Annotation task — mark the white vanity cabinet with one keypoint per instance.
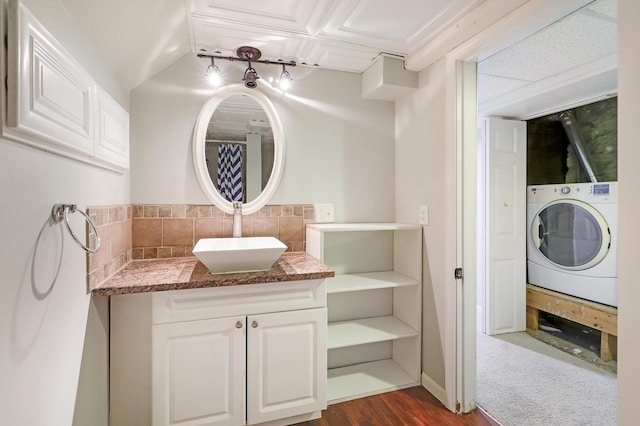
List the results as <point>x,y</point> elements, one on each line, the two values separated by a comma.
<point>374,306</point>
<point>198,372</point>
<point>239,355</point>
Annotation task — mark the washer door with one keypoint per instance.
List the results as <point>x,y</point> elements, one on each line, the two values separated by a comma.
<point>571,234</point>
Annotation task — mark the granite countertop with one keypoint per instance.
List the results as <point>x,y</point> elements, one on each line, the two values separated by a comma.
<point>141,276</point>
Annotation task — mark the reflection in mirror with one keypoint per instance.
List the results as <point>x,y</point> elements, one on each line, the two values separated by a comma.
<point>236,119</point>
<point>239,149</point>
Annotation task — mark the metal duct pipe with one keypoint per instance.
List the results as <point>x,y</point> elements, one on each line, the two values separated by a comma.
<point>567,120</point>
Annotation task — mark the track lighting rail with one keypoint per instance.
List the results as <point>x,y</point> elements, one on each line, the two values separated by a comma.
<point>235,58</point>
<point>247,54</point>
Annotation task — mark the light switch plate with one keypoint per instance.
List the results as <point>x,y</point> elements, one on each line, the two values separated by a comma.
<point>324,212</point>
<point>424,214</point>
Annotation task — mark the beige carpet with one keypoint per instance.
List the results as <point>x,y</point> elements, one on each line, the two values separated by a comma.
<point>522,381</point>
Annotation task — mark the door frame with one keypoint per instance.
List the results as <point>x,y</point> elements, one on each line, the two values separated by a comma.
<point>461,141</point>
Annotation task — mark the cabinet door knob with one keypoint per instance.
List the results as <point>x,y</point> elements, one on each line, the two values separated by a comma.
<point>254,324</point>
<point>239,324</point>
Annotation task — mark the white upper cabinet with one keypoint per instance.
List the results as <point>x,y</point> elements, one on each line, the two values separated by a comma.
<point>112,142</point>
<point>53,104</point>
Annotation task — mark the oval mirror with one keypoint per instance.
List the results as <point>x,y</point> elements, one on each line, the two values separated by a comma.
<point>238,149</point>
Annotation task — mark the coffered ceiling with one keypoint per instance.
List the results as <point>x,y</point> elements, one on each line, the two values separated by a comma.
<point>142,37</point>
<point>341,35</point>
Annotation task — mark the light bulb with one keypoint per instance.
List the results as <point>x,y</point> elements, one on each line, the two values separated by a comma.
<point>285,79</point>
<point>213,74</point>
<point>214,77</point>
<point>285,83</point>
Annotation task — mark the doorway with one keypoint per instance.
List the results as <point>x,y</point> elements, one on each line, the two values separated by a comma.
<point>524,99</point>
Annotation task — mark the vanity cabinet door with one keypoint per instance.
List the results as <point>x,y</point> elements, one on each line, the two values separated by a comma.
<point>286,364</point>
<point>199,372</point>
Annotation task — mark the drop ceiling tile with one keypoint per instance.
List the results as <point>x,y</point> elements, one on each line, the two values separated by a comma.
<point>577,40</point>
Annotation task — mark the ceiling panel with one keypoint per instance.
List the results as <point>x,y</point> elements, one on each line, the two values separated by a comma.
<point>282,15</point>
<point>339,56</point>
<point>572,42</point>
<point>218,37</point>
<point>398,26</point>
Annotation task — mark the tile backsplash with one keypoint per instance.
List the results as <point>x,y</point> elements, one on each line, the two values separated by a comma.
<point>114,225</point>
<point>152,231</point>
<point>161,231</point>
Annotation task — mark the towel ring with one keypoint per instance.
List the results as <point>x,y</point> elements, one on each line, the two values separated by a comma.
<point>59,212</point>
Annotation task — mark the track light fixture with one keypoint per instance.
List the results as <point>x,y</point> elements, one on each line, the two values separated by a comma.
<point>250,77</point>
<point>285,79</point>
<point>213,74</point>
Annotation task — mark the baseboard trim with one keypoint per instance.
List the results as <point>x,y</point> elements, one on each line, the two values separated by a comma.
<point>434,388</point>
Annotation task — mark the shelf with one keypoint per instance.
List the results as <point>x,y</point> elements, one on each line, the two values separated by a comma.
<point>351,227</point>
<point>368,281</point>
<point>378,281</point>
<point>371,378</point>
<point>368,330</point>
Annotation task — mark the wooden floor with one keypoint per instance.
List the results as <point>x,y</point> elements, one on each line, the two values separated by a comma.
<point>413,406</point>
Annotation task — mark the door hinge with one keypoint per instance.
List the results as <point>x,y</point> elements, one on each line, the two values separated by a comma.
<point>458,273</point>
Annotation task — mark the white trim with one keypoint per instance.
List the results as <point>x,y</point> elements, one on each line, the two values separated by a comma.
<point>469,222</point>
<point>434,389</point>
<point>452,258</point>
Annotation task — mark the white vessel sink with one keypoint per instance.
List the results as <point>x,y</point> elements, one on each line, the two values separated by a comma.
<point>226,255</point>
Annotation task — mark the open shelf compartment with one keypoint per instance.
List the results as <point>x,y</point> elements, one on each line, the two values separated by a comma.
<point>367,330</point>
<point>371,378</point>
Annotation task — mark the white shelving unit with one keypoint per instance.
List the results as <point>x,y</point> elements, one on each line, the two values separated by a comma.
<point>375,302</point>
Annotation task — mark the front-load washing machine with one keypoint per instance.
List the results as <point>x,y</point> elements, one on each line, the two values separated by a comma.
<point>572,241</point>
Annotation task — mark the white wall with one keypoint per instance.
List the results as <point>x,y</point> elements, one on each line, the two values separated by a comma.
<point>420,179</point>
<point>43,316</point>
<point>629,212</point>
<point>339,147</point>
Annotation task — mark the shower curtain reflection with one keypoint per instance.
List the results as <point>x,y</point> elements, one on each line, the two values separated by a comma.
<point>228,171</point>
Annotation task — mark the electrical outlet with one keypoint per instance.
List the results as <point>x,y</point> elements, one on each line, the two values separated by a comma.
<point>324,212</point>
<point>424,214</point>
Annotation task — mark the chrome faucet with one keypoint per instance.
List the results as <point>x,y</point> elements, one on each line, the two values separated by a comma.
<point>237,219</point>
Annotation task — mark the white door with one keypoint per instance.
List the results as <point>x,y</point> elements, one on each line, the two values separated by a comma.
<point>286,364</point>
<point>506,276</point>
<point>199,372</point>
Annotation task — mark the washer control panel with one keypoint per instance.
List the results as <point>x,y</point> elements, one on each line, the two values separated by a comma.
<point>588,192</point>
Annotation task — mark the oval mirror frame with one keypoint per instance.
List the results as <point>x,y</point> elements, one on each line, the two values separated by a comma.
<point>199,159</point>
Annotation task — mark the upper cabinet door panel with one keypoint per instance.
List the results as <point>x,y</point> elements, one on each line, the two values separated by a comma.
<point>112,141</point>
<point>51,97</point>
